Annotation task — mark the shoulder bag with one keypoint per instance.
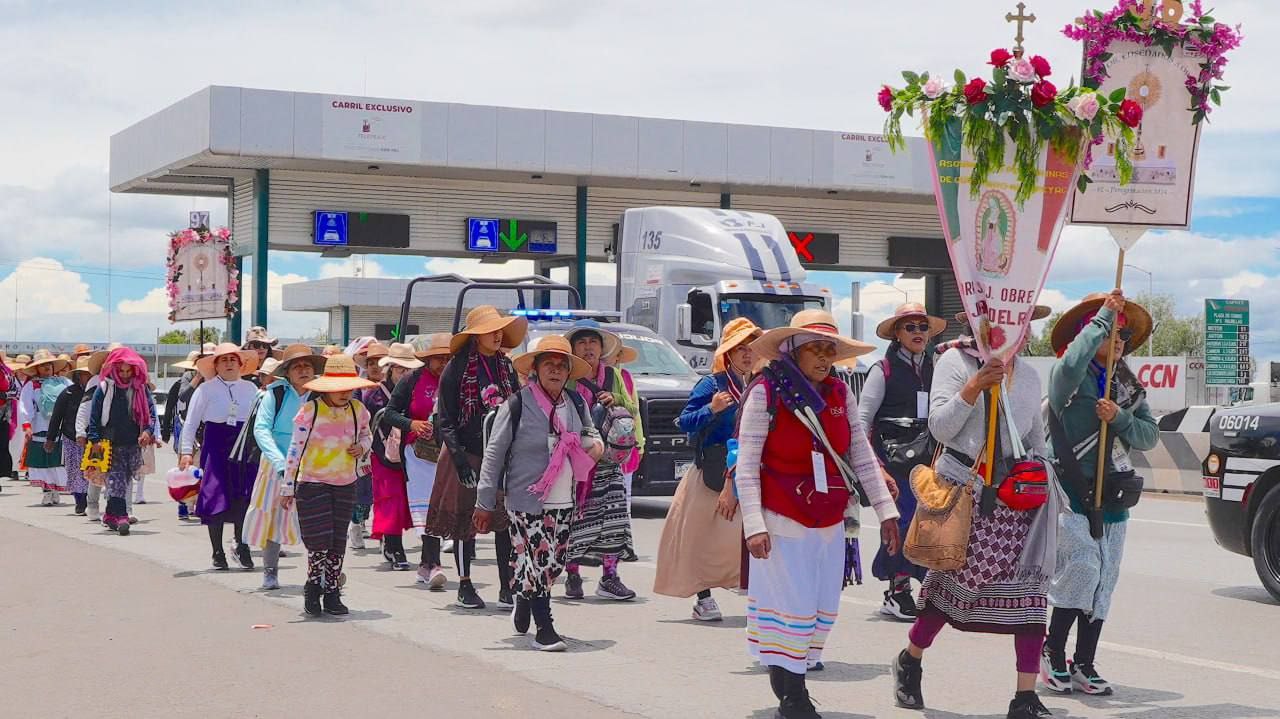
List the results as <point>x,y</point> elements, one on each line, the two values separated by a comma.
<point>938,537</point>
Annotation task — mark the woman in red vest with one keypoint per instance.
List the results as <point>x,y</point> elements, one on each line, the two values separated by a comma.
<point>803,460</point>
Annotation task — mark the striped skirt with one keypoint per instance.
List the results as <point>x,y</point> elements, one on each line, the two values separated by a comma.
<point>793,598</point>
<point>603,529</point>
<point>266,521</point>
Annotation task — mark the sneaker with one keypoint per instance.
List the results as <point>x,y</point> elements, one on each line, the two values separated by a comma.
<point>433,577</point>
<point>388,555</point>
<point>400,562</point>
<point>94,513</point>
<point>907,673</point>
<point>243,556</point>
<point>815,666</point>
<point>133,520</point>
<point>355,537</point>
<point>57,498</point>
<point>1054,673</point>
<point>220,561</point>
<point>46,499</point>
<point>1026,705</point>
<point>798,706</point>
<point>899,605</point>
<point>573,586</point>
<point>311,599</point>
<point>547,640</point>
<point>333,604</point>
<point>521,615</point>
<point>467,597</point>
<point>122,526</point>
<point>270,579</point>
<point>1085,678</point>
<point>611,587</point>
<point>706,610</point>
<point>505,600</point>
<point>183,513</point>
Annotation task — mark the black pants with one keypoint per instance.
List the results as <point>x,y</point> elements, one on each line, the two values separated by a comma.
<point>6,459</point>
<point>1088,632</point>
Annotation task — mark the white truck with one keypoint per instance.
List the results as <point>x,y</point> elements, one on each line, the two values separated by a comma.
<point>684,272</point>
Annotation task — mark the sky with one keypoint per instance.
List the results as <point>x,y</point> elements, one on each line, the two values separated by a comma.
<point>78,263</point>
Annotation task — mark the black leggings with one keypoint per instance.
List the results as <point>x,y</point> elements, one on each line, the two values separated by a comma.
<point>1088,632</point>
<point>430,551</point>
<point>215,534</point>
<point>464,552</point>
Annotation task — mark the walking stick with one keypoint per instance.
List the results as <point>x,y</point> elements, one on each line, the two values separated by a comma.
<point>1095,514</point>
<point>993,423</point>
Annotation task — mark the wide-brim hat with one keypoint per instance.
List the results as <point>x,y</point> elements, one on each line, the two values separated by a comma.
<point>19,364</point>
<point>372,351</point>
<point>609,342</point>
<point>269,366</point>
<point>485,319</point>
<point>818,322</point>
<point>45,357</point>
<point>626,354</point>
<point>400,354</point>
<point>436,345</point>
<point>259,334</point>
<point>557,345</point>
<point>248,359</point>
<point>189,362</point>
<point>295,353</point>
<point>340,375</point>
<point>1038,312</point>
<point>82,365</point>
<point>1136,318</point>
<point>81,349</point>
<point>735,333</point>
<point>884,330</point>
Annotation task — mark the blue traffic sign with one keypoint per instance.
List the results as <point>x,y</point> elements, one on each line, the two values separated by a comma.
<point>482,234</point>
<point>330,229</point>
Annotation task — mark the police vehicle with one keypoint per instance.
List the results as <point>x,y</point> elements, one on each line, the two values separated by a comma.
<point>1242,486</point>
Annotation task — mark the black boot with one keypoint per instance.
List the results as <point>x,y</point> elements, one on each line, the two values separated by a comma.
<point>777,681</point>
<point>82,503</point>
<point>907,672</point>
<point>547,639</point>
<point>244,556</point>
<point>220,561</point>
<point>795,700</point>
<point>333,604</point>
<point>311,599</point>
<point>522,614</point>
<point>1026,705</point>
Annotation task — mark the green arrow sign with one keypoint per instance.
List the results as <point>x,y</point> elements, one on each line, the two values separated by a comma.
<point>513,238</point>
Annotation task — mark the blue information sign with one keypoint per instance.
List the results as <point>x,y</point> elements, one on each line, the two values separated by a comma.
<point>330,229</point>
<point>482,234</point>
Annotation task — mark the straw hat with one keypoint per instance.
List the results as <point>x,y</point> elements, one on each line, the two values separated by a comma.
<point>557,345</point>
<point>19,363</point>
<point>248,359</point>
<point>1136,318</point>
<point>298,352</point>
<point>373,351</point>
<point>485,319</point>
<point>820,322</point>
<point>1038,312</point>
<point>269,366</point>
<point>330,350</point>
<point>735,332</point>
<point>400,354</point>
<point>81,350</point>
<point>259,334</point>
<point>625,354</point>
<point>44,357</point>
<point>437,345</point>
<point>189,362</point>
<point>885,330</point>
<point>82,365</point>
<point>340,375</point>
<point>610,342</point>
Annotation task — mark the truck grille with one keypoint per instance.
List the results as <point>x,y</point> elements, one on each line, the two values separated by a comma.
<point>660,416</point>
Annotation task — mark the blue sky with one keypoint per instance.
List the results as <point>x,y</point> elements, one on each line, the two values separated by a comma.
<point>85,70</point>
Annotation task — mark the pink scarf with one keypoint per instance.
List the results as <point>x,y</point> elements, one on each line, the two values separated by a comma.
<point>568,447</point>
<point>136,386</point>
<point>423,402</point>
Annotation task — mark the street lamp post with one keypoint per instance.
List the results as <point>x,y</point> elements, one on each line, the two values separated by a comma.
<point>1151,343</point>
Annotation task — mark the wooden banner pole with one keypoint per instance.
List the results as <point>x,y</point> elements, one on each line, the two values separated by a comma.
<point>1095,519</point>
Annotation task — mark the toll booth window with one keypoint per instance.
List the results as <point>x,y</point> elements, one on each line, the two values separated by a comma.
<point>644,312</point>
<point>704,319</point>
<point>767,311</point>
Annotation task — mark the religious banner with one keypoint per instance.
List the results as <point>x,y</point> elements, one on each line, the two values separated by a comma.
<point>203,281</point>
<point>1145,53</point>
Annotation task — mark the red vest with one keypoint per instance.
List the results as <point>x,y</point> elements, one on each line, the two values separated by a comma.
<point>786,465</point>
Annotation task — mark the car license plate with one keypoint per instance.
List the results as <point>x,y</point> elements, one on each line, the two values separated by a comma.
<point>682,468</point>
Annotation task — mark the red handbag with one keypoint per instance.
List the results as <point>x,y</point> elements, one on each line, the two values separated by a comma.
<point>1026,487</point>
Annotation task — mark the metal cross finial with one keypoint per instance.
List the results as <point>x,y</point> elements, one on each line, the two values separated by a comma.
<point>1021,18</point>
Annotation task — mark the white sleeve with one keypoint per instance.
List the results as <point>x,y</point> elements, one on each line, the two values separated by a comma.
<point>872,397</point>
<point>27,405</point>
<point>753,428</point>
<point>82,416</point>
<point>195,417</point>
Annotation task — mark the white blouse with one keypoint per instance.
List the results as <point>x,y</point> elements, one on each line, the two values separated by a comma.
<point>217,400</point>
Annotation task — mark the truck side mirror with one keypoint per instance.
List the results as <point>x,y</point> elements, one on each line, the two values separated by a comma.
<point>684,322</point>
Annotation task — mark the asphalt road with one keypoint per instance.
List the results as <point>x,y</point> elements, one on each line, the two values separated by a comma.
<point>137,626</point>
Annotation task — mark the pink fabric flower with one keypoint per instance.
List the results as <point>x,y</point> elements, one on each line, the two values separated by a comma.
<point>1084,106</point>
<point>1022,70</point>
<point>934,88</point>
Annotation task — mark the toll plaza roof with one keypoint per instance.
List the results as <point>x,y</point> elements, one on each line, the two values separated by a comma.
<point>201,144</point>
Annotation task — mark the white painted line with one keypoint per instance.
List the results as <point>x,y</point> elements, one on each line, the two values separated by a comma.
<point>1191,661</point>
<point>1172,524</point>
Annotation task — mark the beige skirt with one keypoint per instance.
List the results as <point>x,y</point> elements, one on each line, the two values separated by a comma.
<point>699,549</point>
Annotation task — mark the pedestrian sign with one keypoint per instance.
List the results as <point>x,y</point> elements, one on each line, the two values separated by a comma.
<point>330,229</point>
<point>1226,343</point>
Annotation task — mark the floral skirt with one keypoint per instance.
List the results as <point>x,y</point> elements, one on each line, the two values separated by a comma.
<point>71,456</point>
<point>539,543</point>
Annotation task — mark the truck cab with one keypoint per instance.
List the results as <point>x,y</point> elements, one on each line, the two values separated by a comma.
<point>1242,486</point>
<point>684,272</point>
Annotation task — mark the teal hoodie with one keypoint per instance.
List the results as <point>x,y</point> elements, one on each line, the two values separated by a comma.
<point>1073,395</point>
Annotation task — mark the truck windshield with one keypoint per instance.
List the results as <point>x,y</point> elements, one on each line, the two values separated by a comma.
<point>656,356</point>
<point>766,311</point>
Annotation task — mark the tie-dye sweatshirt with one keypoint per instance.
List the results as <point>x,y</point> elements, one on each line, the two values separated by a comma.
<point>321,436</point>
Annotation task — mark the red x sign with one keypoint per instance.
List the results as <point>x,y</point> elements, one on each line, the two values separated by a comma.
<point>802,245</point>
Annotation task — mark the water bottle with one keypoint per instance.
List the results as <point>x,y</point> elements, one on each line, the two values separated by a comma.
<point>731,458</point>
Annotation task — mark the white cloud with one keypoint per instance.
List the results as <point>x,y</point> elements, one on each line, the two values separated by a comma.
<point>354,266</point>
<point>155,302</point>
<point>1088,254</point>
<point>1244,280</point>
<point>42,286</point>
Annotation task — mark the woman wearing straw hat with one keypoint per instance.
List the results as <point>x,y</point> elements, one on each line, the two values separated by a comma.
<point>409,414</point>
<point>1088,567</point>
<point>35,405</point>
<point>17,439</point>
<point>478,378</point>
<point>123,413</point>
<point>268,524</point>
<point>387,366</point>
<point>803,460</point>
<point>330,438</point>
<point>63,424</point>
<point>263,345</point>
<point>375,398</point>
<point>1000,589</point>
<point>893,409</point>
<point>221,405</point>
<point>702,537</point>
<point>541,459</point>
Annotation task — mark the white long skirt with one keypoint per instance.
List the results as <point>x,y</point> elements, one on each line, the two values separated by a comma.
<point>793,597</point>
<point>421,476</point>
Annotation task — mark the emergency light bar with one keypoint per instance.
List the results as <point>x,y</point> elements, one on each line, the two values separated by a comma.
<point>536,314</point>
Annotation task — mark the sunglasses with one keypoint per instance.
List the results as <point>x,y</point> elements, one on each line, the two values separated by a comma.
<point>922,328</point>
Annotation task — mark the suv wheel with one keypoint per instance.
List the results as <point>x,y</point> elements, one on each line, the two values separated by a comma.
<point>1265,542</point>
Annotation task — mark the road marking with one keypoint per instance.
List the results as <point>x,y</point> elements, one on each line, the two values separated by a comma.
<point>1172,524</point>
<point>1191,661</point>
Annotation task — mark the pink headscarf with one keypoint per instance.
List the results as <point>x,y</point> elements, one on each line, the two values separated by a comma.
<point>138,383</point>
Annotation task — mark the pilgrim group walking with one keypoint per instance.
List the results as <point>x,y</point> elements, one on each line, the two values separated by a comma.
<point>989,524</point>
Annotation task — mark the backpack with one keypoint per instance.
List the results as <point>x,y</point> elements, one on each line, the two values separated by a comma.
<point>517,407</point>
<point>617,431</point>
<point>245,449</point>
